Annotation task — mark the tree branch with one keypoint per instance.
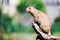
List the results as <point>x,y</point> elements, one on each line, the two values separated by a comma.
<point>45,36</point>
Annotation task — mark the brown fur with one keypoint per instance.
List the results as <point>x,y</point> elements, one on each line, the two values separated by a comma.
<point>40,17</point>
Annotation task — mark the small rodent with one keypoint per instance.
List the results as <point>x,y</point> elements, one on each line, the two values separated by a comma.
<point>41,18</point>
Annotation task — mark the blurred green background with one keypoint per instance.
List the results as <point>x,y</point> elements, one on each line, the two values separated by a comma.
<point>18,26</point>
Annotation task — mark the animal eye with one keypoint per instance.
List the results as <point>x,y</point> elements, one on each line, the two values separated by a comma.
<point>29,8</point>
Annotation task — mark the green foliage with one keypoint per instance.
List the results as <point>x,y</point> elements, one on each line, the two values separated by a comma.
<point>6,21</point>
<point>35,3</point>
<point>21,6</point>
<point>0,15</point>
<point>21,28</point>
<point>56,26</point>
<point>39,5</point>
<point>57,19</point>
<point>0,6</point>
<point>9,26</point>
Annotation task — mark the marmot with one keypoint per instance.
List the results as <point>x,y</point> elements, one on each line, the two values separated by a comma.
<point>41,18</point>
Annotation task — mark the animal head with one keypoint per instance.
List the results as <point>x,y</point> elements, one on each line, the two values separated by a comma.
<point>30,9</point>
